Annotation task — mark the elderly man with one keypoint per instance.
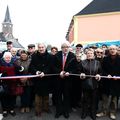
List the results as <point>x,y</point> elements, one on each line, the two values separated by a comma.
<point>31,49</point>
<point>111,87</point>
<point>41,65</point>
<point>62,59</point>
<point>9,45</point>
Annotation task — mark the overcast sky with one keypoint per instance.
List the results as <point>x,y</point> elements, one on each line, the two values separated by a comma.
<point>41,20</point>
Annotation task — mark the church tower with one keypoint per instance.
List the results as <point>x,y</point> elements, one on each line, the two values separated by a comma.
<point>7,26</point>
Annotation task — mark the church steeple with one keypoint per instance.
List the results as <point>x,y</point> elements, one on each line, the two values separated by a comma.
<point>7,26</point>
<point>7,16</point>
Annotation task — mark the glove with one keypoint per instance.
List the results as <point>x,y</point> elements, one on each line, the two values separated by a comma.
<point>98,77</point>
<point>38,73</point>
<point>62,74</point>
<point>42,74</point>
<point>22,68</point>
<point>0,74</point>
<point>23,80</point>
<point>109,76</point>
<point>67,74</point>
<point>82,76</point>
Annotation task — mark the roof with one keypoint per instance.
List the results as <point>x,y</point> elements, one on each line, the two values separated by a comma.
<point>101,6</point>
<point>7,16</point>
<point>16,43</point>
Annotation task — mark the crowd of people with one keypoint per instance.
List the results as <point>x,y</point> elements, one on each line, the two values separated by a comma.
<point>82,78</point>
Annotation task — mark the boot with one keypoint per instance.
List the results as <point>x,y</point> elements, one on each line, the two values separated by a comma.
<point>83,115</point>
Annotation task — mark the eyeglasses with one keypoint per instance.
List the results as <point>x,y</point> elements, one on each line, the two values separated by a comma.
<point>100,52</point>
<point>65,46</point>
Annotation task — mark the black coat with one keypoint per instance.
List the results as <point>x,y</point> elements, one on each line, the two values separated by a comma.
<point>58,68</point>
<point>111,67</point>
<point>41,62</point>
<point>90,67</point>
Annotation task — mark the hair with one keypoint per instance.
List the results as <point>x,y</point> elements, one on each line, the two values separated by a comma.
<point>79,45</point>
<point>90,49</point>
<point>113,46</point>
<point>65,43</point>
<point>42,44</point>
<point>7,54</point>
<point>9,42</point>
<point>54,48</point>
<point>24,52</point>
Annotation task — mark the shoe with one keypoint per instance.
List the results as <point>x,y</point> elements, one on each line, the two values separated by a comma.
<point>5,113</point>
<point>27,109</point>
<point>57,115</point>
<point>101,114</point>
<point>93,117</point>
<point>83,116</point>
<point>47,111</point>
<point>12,112</point>
<point>74,109</point>
<point>22,110</point>
<point>112,116</point>
<point>66,115</point>
<point>38,114</point>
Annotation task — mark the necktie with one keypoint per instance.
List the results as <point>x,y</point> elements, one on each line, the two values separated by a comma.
<point>64,61</point>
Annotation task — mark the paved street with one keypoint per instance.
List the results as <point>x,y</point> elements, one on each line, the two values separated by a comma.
<point>45,116</point>
<point>31,116</point>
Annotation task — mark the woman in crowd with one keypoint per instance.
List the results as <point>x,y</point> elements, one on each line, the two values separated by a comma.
<point>9,68</point>
<point>90,66</point>
<point>26,83</point>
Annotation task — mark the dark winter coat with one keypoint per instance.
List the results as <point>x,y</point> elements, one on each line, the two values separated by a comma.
<point>10,69</point>
<point>41,62</point>
<point>90,67</point>
<point>111,67</point>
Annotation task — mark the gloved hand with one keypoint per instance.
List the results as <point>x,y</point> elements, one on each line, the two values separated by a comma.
<point>42,74</point>
<point>82,76</point>
<point>98,77</point>
<point>0,74</point>
<point>109,76</point>
<point>62,74</point>
<point>38,72</point>
<point>67,74</point>
<point>22,68</point>
<point>23,80</point>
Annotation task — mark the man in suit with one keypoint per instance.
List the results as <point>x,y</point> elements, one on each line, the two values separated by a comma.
<point>63,82</point>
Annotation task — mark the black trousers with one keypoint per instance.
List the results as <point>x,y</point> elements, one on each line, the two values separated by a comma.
<point>63,96</point>
<point>89,100</point>
<point>26,97</point>
<point>76,92</point>
<point>8,102</point>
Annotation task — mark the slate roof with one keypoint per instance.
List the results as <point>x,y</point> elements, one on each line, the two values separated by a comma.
<point>16,43</point>
<point>7,16</point>
<point>100,6</point>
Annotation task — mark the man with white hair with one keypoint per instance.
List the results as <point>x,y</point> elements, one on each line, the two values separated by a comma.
<point>111,86</point>
<point>41,65</point>
<point>63,83</point>
<point>9,47</point>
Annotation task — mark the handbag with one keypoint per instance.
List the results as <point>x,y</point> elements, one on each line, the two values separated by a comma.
<point>1,89</point>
